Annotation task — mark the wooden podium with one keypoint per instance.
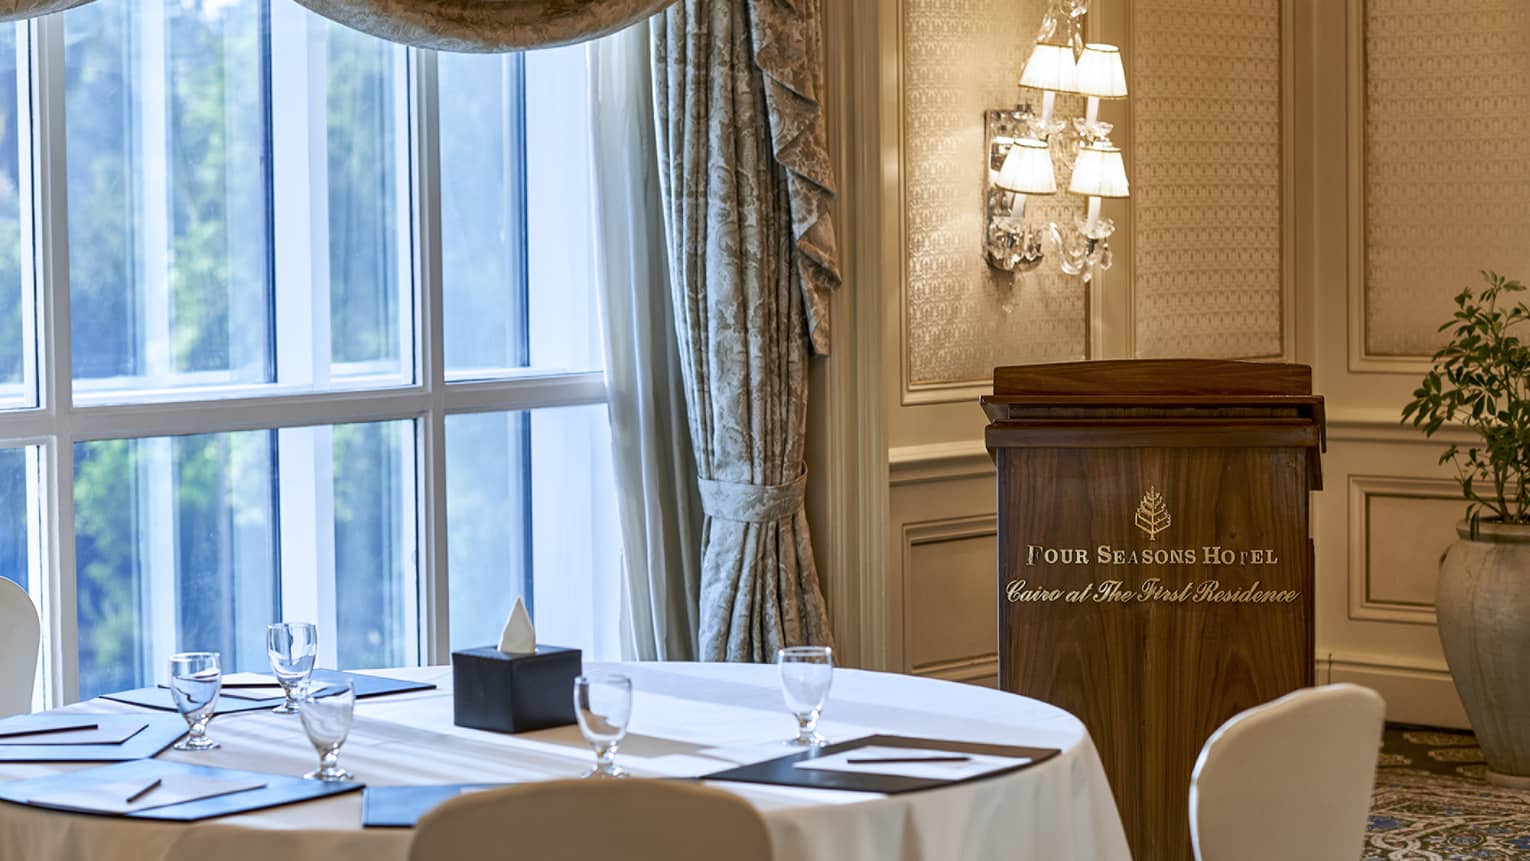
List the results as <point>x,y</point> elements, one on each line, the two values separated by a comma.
<point>1155,569</point>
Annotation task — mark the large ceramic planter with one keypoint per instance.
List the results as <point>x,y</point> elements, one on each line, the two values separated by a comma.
<point>1484,616</point>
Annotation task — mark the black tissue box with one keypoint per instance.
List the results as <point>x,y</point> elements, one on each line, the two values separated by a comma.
<point>517,692</point>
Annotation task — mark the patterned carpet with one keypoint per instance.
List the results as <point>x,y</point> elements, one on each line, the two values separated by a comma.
<point>1431,803</point>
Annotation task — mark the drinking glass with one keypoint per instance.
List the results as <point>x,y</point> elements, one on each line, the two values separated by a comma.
<point>290,647</point>
<point>195,679</point>
<point>327,720</point>
<point>806,674</point>
<point>603,705</point>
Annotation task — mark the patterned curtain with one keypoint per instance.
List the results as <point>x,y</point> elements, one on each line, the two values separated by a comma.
<point>449,25</point>
<point>486,25</point>
<point>16,10</point>
<point>745,177</point>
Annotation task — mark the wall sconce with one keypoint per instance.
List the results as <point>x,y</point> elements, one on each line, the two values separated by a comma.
<point>1098,173</point>
<point>1020,147</point>
<point>1023,169</point>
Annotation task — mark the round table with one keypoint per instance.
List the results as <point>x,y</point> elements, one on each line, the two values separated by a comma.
<point>688,719</point>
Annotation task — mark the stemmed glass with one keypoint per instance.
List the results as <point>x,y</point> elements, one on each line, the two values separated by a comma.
<point>327,720</point>
<point>195,679</point>
<point>603,705</point>
<point>290,646</point>
<point>806,674</point>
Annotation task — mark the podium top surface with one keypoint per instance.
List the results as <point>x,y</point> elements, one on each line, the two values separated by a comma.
<point>1160,378</point>
<point>1156,403</point>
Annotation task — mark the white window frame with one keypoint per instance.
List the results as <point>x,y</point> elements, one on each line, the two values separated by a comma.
<point>58,423</point>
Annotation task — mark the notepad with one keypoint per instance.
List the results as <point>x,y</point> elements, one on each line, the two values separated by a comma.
<point>173,788</point>
<point>250,680</point>
<point>973,764</point>
<point>254,693</point>
<point>250,686</point>
<point>36,730</point>
<point>247,686</point>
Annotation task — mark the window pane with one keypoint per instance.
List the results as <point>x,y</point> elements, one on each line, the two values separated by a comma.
<point>17,386</point>
<point>376,596</point>
<point>175,551</point>
<point>488,496</point>
<point>483,211</point>
<point>15,520</point>
<point>177,547</point>
<point>231,164</point>
<point>368,234</point>
<point>564,319</point>
<point>515,213</point>
<point>169,204</point>
<point>532,492</point>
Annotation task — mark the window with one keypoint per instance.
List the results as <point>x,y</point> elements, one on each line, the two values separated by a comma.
<point>294,323</point>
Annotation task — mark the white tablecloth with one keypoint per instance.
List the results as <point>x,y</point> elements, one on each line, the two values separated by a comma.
<point>687,719</point>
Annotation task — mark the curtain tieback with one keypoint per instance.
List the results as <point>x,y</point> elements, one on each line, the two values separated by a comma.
<point>752,503</point>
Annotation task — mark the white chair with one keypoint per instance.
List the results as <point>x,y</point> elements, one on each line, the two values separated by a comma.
<point>585,820</point>
<point>20,638</point>
<point>1289,780</point>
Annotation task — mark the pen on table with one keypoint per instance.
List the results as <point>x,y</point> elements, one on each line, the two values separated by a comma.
<point>904,759</point>
<point>145,791</point>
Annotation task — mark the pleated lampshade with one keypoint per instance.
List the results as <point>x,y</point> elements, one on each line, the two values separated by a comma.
<point>1050,67</point>
<point>1027,168</point>
<point>1100,73</point>
<point>1099,172</point>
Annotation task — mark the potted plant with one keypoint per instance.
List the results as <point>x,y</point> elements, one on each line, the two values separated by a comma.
<point>1481,380</point>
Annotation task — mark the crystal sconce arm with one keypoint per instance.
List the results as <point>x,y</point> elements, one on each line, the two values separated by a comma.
<point>1019,167</point>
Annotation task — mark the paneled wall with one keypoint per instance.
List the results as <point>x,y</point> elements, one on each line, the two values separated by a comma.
<point>961,57</point>
<point>1441,131</point>
<point>1260,136</point>
<point>1202,268</point>
<point>1212,264</point>
<point>1425,187</point>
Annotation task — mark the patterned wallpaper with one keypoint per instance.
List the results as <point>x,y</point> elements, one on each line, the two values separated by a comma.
<point>1206,183</point>
<point>1447,160</point>
<point>960,58</point>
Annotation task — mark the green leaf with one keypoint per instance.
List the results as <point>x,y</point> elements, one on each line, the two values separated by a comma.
<point>1480,378</point>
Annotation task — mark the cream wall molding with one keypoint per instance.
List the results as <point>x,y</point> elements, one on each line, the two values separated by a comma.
<point>1381,425</point>
<point>1369,661</point>
<point>981,670</point>
<point>919,394</point>
<point>961,459</point>
<point>852,473</point>
<point>1364,605</point>
<point>1419,692</point>
<point>941,461</point>
<point>938,531</point>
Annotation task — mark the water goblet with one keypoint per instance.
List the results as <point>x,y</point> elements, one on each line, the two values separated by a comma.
<point>327,711</point>
<point>603,705</point>
<point>806,674</point>
<point>290,646</point>
<point>195,679</point>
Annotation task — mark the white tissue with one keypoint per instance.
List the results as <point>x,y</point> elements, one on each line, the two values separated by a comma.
<point>519,638</point>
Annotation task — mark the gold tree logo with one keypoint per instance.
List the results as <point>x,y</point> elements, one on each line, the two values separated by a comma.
<point>1153,514</point>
